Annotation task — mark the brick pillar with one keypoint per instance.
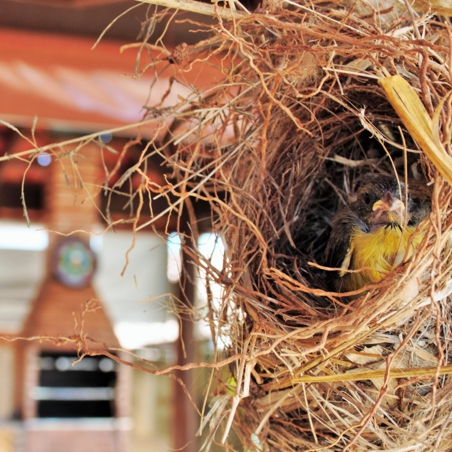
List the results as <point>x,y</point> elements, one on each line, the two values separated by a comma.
<point>71,194</point>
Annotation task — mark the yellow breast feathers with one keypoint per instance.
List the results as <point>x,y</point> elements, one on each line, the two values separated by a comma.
<point>374,254</point>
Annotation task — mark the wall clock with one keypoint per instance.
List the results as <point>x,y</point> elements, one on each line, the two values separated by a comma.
<point>74,262</point>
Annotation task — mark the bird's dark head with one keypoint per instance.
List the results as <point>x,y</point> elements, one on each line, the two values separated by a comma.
<point>381,202</point>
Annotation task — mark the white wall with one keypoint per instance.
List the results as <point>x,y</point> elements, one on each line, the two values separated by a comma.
<point>6,379</point>
<point>140,296</point>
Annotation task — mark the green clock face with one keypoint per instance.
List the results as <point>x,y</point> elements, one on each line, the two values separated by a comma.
<point>73,262</point>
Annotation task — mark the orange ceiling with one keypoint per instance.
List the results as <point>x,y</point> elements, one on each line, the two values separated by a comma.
<point>68,85</point>
<point>73,3</point>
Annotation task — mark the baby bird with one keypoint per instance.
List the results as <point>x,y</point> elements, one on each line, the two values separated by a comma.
<point>372,235</point>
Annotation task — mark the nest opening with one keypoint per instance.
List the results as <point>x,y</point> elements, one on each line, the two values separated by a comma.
<point>309,180</point>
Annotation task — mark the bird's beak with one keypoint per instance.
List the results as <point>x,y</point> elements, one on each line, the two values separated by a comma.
<point>388,209</point>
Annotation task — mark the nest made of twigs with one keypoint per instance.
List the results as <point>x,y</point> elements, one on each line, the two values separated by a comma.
<point>298,124</point>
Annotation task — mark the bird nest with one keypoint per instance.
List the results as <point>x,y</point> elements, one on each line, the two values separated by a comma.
<point>316,98</point>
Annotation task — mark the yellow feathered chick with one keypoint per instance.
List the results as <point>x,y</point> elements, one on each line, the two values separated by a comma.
<point>372,235</point>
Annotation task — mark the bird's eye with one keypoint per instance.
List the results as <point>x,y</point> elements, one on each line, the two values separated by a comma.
<point>367,198</point>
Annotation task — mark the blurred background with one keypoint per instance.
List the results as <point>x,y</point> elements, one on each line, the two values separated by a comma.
<point>56,88</point>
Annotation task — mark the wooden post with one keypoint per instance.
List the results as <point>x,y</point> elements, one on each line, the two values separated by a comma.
<point>185,418</point>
